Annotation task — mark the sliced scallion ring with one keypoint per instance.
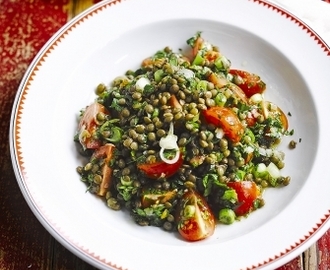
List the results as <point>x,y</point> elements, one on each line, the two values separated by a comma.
<point>141,83</point>
<point>187,73</point>
<point>169,142</point>
<point>167,160</point>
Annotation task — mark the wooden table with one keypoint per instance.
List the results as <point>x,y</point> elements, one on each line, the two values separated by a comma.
<point>24,243</point>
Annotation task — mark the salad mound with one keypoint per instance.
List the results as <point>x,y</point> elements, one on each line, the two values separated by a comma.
<point>184,142</point>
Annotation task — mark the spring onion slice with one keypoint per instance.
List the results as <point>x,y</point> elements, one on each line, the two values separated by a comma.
<point>187,73</point>
<point>169,142</point>
<point>219,133</point>
<point>141,83</point>
<point>273,170</point>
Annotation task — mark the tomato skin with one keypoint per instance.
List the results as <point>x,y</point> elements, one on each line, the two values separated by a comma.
<point>251,83</point>
<point>226,119</point>
<point>247,193</point>
<point>88,124</point>
<point>160,168</point>
<point>195,219</point>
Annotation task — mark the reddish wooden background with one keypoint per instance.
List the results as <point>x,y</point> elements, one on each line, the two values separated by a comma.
<point>24,244</point>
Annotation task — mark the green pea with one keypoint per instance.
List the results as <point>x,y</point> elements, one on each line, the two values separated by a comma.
<point>227,216</point>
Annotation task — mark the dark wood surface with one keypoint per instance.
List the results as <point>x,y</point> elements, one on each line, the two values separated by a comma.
<point>24,243</point>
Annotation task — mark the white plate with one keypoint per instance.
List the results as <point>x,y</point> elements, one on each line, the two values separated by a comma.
<point>112,37</point>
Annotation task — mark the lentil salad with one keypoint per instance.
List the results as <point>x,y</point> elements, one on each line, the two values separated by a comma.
<point>184,142</point>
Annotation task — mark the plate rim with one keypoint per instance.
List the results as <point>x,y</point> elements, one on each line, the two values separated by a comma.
<point>18,164</point>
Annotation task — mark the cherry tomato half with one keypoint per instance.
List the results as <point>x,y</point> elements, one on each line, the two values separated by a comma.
<point>226,119</point>
<point>195,219</point>
<point>88,124</point>
<point>247,193</point>
<point>160,168</point>
<point>250,83</point>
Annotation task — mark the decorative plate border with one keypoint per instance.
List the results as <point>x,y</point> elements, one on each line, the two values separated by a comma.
<point>54,43</point>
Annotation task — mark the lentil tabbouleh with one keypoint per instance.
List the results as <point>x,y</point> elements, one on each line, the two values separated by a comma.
<point>183,142</point>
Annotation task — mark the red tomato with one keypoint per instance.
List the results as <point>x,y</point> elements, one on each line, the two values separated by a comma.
<point>160,168</point>
<point>247,193</point>
<point>195,219</point>
<point>250,83</point>
<point>105,152</point>
<point>88,124</point>
<point>226,119</point>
